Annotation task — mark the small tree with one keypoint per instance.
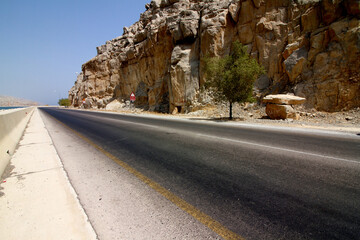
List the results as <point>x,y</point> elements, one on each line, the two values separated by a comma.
<point>64,102</point>
<point>232,77</point>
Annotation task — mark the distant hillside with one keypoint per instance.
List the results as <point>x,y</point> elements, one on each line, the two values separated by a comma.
<point>6,101</point>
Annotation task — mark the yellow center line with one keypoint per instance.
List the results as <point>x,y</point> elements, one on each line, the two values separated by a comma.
<point>206,220</point>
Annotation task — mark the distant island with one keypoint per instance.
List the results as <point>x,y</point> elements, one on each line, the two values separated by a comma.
<point>7,101</point>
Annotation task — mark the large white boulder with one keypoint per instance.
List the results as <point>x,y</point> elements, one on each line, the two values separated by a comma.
<point>115,105</point>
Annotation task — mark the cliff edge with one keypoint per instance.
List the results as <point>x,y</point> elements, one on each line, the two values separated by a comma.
<point>308,47</point>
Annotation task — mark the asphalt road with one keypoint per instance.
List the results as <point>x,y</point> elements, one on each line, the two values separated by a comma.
<point>260,182</point>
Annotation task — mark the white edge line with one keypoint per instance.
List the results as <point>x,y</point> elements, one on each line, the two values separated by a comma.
<point>306,130</point>
<point>278,148</point>
<point>249,143</point>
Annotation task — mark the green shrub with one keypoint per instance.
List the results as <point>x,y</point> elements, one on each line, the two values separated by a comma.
<point>232,77</point>
<point>64,102</point>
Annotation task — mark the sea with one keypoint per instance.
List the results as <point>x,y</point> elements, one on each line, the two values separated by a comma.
<point>7,108</point>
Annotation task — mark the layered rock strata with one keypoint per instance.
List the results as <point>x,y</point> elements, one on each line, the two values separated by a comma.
<point>308,47</point>
<point>280,106</point>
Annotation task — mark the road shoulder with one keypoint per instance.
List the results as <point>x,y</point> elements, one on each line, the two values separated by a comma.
<point>36,199</point>
<point>119,204</point>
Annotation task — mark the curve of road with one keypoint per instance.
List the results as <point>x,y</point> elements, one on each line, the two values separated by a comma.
<point>255,182</point>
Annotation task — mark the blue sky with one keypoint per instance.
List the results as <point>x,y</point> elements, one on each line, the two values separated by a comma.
<point>43,43</point>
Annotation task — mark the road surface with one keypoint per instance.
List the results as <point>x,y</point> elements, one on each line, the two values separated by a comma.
<point>255,182</point>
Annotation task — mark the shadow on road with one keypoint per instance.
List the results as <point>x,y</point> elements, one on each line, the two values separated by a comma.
<point>219,119</point>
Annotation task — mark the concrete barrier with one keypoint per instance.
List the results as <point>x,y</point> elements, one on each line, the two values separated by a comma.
<point>12,125</point>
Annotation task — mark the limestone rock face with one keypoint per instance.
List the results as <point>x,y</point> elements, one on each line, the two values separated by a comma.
<point>309,48</point>
<point>294,64</point>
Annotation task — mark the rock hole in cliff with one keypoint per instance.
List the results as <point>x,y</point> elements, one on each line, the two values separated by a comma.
<point>178,109</point>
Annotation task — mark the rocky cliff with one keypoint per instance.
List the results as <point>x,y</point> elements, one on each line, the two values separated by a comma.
<point>308,47</point>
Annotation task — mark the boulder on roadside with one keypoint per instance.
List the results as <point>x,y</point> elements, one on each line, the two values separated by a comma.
<point>278,111</point>
<point>115,105</point>
<point>283,99</point>
<point>278,106</point>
